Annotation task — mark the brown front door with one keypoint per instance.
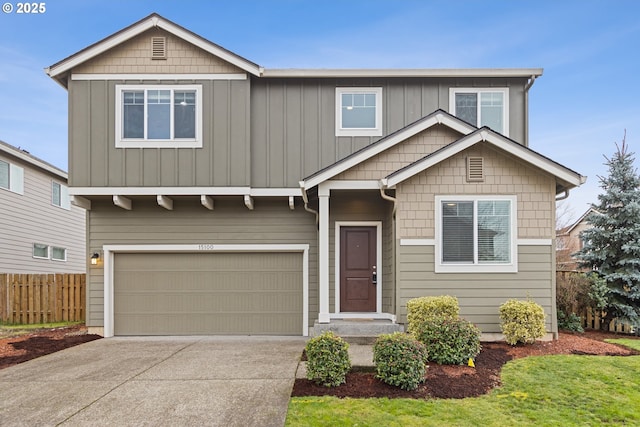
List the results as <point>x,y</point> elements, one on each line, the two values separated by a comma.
<point>358,269</point>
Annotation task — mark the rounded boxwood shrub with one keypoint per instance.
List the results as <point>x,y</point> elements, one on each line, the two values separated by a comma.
<point>423,308</point>
<point>449,341</point>
<point>327,359</point>
<point>522,321</point>
<point>400,360</point>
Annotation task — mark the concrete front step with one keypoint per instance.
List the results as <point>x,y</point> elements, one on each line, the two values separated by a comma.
<point>357,331</point>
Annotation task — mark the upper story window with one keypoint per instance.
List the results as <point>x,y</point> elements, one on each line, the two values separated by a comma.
<point>60,195</point>
<point>476,234</point>
<point>359,111</point>
<point>159,116</point>
<point>482,107</point>
<point>11,177</point>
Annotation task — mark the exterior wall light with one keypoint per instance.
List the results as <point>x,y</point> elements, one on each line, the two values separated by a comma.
<point>94,258</point>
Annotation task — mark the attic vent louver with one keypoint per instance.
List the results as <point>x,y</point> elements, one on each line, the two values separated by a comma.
<point>158,48</point>
<point>475,169</point>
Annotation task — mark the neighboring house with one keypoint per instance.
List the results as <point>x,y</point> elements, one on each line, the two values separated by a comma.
<point>226,198</point>
<point>568,242</point>
<point>41,231</point>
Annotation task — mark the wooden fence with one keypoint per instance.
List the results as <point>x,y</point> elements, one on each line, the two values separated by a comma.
<point>591,321</point>
<point>588,319</point>
<point>42,298</point>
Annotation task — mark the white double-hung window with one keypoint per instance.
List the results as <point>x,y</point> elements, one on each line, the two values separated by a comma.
<point>359,111</point>
<point>476,234</point>
<point>159,116</point>
<point>482,107</point>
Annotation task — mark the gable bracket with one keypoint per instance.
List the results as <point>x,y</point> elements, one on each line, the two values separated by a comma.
<point>122,202</point>
<point>206,201</point>
<point>248,202</point>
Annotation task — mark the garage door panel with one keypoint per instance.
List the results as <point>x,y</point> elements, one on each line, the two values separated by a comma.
<point>208,293</point>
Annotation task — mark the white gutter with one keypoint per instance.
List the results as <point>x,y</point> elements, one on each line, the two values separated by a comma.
<point>305,199</point>
<point>385,196</point>
<point>391,72</point>
<point>532,80</point>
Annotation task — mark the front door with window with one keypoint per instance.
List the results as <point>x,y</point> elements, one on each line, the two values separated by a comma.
<point>358,275</point>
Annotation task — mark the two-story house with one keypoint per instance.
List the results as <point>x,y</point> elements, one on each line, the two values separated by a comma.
<point>41,232</point>
<point>568,242</point>
<point>228,198</point>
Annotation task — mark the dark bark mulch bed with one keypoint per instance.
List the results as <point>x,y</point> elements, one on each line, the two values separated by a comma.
<point>14,350</point>
<point>458,382</point>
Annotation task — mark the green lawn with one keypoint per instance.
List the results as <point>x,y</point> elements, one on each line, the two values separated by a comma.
<point>7,330</point>
<point>536,391</point>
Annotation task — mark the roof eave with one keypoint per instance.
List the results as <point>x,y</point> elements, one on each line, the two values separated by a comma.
<point>417,72</point>
<point>26,157</point>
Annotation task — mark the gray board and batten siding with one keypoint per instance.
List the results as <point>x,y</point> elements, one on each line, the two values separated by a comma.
<point>222,161</point>
<point>259,132</point>
<point>272,222</point>
<point>293,120</point>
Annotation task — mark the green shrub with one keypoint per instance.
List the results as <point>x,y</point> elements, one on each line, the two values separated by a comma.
<point>327,359</point>
<point>570,322</point>
<point>522,321</point>
<point>400,360</point>
<point>423,308</point>
<point>449,341</point>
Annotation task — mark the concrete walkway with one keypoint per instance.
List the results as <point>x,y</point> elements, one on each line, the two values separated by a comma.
<point>167,381</point>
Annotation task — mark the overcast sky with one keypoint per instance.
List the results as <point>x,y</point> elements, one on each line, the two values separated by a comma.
<point>586,99</point>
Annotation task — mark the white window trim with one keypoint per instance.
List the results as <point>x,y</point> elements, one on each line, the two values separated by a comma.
<point>505,112</point>
<point>375,131</point>
<point>65,200</point>
<point>158,143</point>
<point>40,257</point>
<point>16,178</point>
<point>57,259</point>
<point>511,267</point>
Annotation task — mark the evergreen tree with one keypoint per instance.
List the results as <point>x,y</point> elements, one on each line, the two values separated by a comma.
<point>612,245</point>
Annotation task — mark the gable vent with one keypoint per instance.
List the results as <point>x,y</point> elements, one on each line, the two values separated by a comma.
<point>158,48</point>
<point>475,169</point>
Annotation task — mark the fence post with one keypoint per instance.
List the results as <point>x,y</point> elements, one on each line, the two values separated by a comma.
<point>4,296</point>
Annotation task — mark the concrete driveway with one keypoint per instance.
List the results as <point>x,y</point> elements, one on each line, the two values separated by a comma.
<point>177,381</point>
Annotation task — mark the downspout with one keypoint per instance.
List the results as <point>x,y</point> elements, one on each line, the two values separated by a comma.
<point>565,194</point>
<point>526,108</point>
<point>385,196</point>
<point>305,199</point>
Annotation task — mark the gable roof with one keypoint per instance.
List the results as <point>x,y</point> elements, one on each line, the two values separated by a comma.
<point>565,177</point>
<point>59,70</point>
<point>26,157</point>
<point>569,228</point>
<point>435,118</point>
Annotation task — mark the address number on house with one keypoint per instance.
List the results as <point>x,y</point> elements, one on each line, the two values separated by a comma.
<point>206,247</point>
